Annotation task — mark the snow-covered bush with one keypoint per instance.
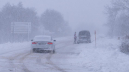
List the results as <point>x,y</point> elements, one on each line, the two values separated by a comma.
<point>125,45</point>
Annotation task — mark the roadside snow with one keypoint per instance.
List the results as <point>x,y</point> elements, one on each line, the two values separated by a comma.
<point>12,47</point>
<point>105,57</point>
<point>9,50</point>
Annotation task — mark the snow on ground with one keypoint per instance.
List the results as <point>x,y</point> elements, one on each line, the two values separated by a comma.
<point>104,57</point>
<point>8,50</point>
<point>9,47</point>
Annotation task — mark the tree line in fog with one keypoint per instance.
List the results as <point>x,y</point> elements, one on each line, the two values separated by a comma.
<point>50,22</point>
<point>118,18</point>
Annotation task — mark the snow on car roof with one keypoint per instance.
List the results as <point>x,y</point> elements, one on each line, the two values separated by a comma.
<point>42,38</point>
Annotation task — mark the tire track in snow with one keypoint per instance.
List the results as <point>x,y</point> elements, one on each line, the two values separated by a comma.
<point>55,66</point>
<point>10,61</point>
<point>39,61</point>
<point>50,55</point>
<point>24,68</point>
<point>48,58</point>
<point>14,65</point>
<point>22,56</point>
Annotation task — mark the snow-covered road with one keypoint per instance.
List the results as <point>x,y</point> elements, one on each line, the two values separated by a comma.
<point>69,57</point>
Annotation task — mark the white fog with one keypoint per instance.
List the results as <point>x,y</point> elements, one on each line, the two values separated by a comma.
<point>64,35</point>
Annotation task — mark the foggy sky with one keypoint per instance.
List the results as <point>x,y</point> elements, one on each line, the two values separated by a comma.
<point>76,12</point>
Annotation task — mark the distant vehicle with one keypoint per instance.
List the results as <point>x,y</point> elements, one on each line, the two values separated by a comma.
<point>43,43</point>
<point>84,37</point>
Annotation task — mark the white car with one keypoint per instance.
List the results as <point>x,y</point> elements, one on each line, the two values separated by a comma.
<point>43,43</point>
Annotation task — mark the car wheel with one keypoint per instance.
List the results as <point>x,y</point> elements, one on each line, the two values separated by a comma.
<point>34,50</point>
<point>52,51</point>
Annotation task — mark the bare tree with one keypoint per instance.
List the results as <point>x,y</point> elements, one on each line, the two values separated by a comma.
<point>118,17</point>
<point>54,22</point>
<point>16,13</point>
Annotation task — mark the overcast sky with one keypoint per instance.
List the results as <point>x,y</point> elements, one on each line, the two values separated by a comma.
<point>76,12</point>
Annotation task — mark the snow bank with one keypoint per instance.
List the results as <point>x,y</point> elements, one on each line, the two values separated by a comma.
<point>12,47</point>
<point>105,57</point>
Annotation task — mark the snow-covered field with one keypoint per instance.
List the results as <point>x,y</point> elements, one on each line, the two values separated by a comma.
<point>69,57</point>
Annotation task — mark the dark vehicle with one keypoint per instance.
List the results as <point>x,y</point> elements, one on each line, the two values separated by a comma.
<point>84,37</point>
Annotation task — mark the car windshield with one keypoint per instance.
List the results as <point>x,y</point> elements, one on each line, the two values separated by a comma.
<point>84,33</point>
<point>42,39</point>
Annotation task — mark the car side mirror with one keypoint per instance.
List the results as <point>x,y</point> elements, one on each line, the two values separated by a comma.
<point>54,40</point>
<point>32,40</point>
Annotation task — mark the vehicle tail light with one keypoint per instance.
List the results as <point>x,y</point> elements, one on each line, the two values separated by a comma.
<point>49,43</point>
<point>34,43</point>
